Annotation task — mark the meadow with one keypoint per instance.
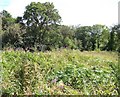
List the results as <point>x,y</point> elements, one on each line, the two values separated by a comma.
<point>60,72</point>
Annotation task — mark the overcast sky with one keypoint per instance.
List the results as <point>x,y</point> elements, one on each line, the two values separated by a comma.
<point>73,12</point>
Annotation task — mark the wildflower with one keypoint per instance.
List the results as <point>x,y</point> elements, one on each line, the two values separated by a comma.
<point>61,84</point>
<point>54,80</point>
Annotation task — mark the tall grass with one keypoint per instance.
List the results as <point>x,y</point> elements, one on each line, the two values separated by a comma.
<point>60,72</point>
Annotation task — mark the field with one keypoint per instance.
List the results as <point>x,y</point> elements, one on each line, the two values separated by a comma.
<point>60,72</point>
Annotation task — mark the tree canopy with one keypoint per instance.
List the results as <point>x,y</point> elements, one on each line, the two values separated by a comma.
<point>40,28</point>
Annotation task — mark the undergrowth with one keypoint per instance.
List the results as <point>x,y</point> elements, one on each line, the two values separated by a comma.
<point>60,72</point>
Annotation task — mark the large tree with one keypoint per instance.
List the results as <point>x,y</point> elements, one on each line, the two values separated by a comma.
<point>83,34</point>
<point>67,34</point>
<point>12,36</point>
<point>114,40</point>
<point>101,36</point>
<point>8,28</point>
<point>40,19</point>
<point>7,19</point>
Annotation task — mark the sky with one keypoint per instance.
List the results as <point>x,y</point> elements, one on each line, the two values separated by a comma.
<point>73,12</point>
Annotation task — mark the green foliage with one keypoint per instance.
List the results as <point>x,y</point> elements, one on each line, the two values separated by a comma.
<point>114,41</point>
<point>6,19</point>
<point>60,72</point>
<point>40,28</point>
<point>41,19</point>
<point>84,35</point>
<point>12,35</point>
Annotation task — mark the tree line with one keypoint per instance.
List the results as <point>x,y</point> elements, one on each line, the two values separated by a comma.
<point>40,29</point>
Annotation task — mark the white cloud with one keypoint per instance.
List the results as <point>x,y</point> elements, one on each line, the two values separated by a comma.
<point>73,12</point>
